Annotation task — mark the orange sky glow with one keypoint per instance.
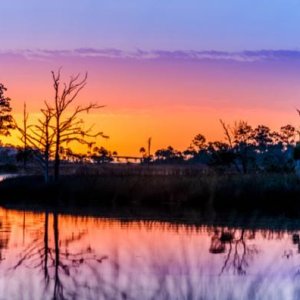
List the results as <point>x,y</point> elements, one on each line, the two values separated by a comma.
<point>168,99</point>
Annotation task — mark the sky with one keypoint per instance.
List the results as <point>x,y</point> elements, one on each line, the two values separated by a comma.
<point>165,69</point>
<point>231,25</point>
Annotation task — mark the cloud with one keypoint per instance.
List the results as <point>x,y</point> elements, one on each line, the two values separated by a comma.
<point>138,54</point>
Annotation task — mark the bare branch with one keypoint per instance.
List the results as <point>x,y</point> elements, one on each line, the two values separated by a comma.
<point>227,133</point>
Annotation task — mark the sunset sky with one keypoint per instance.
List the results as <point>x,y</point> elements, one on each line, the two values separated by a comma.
<point>164,69</point>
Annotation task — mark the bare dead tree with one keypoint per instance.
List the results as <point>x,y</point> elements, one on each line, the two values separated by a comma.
<point>229,139</point>
<point>68,126</point>
<point>45,135</point>
<point>227,133</point>
<point>39,138</point>
<point>60,124</point>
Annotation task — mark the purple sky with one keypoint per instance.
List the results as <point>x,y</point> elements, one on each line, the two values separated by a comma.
<point>168,69</point>
<point>231,25</point>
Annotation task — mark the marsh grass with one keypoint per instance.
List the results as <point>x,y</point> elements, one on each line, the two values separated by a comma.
<point>274,193</point>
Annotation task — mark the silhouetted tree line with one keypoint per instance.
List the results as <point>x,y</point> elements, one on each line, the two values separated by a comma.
<point>245,149</point>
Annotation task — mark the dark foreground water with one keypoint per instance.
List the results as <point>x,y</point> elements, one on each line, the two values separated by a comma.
<point>51,256</point>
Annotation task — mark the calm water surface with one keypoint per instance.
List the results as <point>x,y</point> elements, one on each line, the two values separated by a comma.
<point>51,256</point>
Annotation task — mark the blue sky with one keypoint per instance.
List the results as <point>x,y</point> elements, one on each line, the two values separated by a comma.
<point>229,25</point>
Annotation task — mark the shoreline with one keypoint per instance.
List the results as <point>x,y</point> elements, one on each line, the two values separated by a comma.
<point>271,194</point>
<point>255,220</point>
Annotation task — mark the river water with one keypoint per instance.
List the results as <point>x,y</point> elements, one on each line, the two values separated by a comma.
<point>52,256</point>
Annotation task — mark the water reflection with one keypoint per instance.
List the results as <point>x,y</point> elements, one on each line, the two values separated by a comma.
<point>239,254</point>
<point>52,256</point>
<point>58,266</point>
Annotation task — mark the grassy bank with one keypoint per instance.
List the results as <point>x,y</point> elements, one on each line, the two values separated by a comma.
<point>271,193</point>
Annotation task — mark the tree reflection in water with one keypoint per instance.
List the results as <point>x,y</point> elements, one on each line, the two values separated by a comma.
<point>60,268</point>
<point>239,254</point>
<point>61,258</point>
<point>4,235</point>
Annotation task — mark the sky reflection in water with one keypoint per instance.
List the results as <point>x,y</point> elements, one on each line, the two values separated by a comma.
<point>50,256</point>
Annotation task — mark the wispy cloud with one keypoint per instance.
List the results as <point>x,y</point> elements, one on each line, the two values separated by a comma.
<point>191,55</point>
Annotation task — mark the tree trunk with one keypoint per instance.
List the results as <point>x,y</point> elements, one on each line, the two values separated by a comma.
<point>46,249</point>
<point>57,158</point>
<point>58,289</point>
